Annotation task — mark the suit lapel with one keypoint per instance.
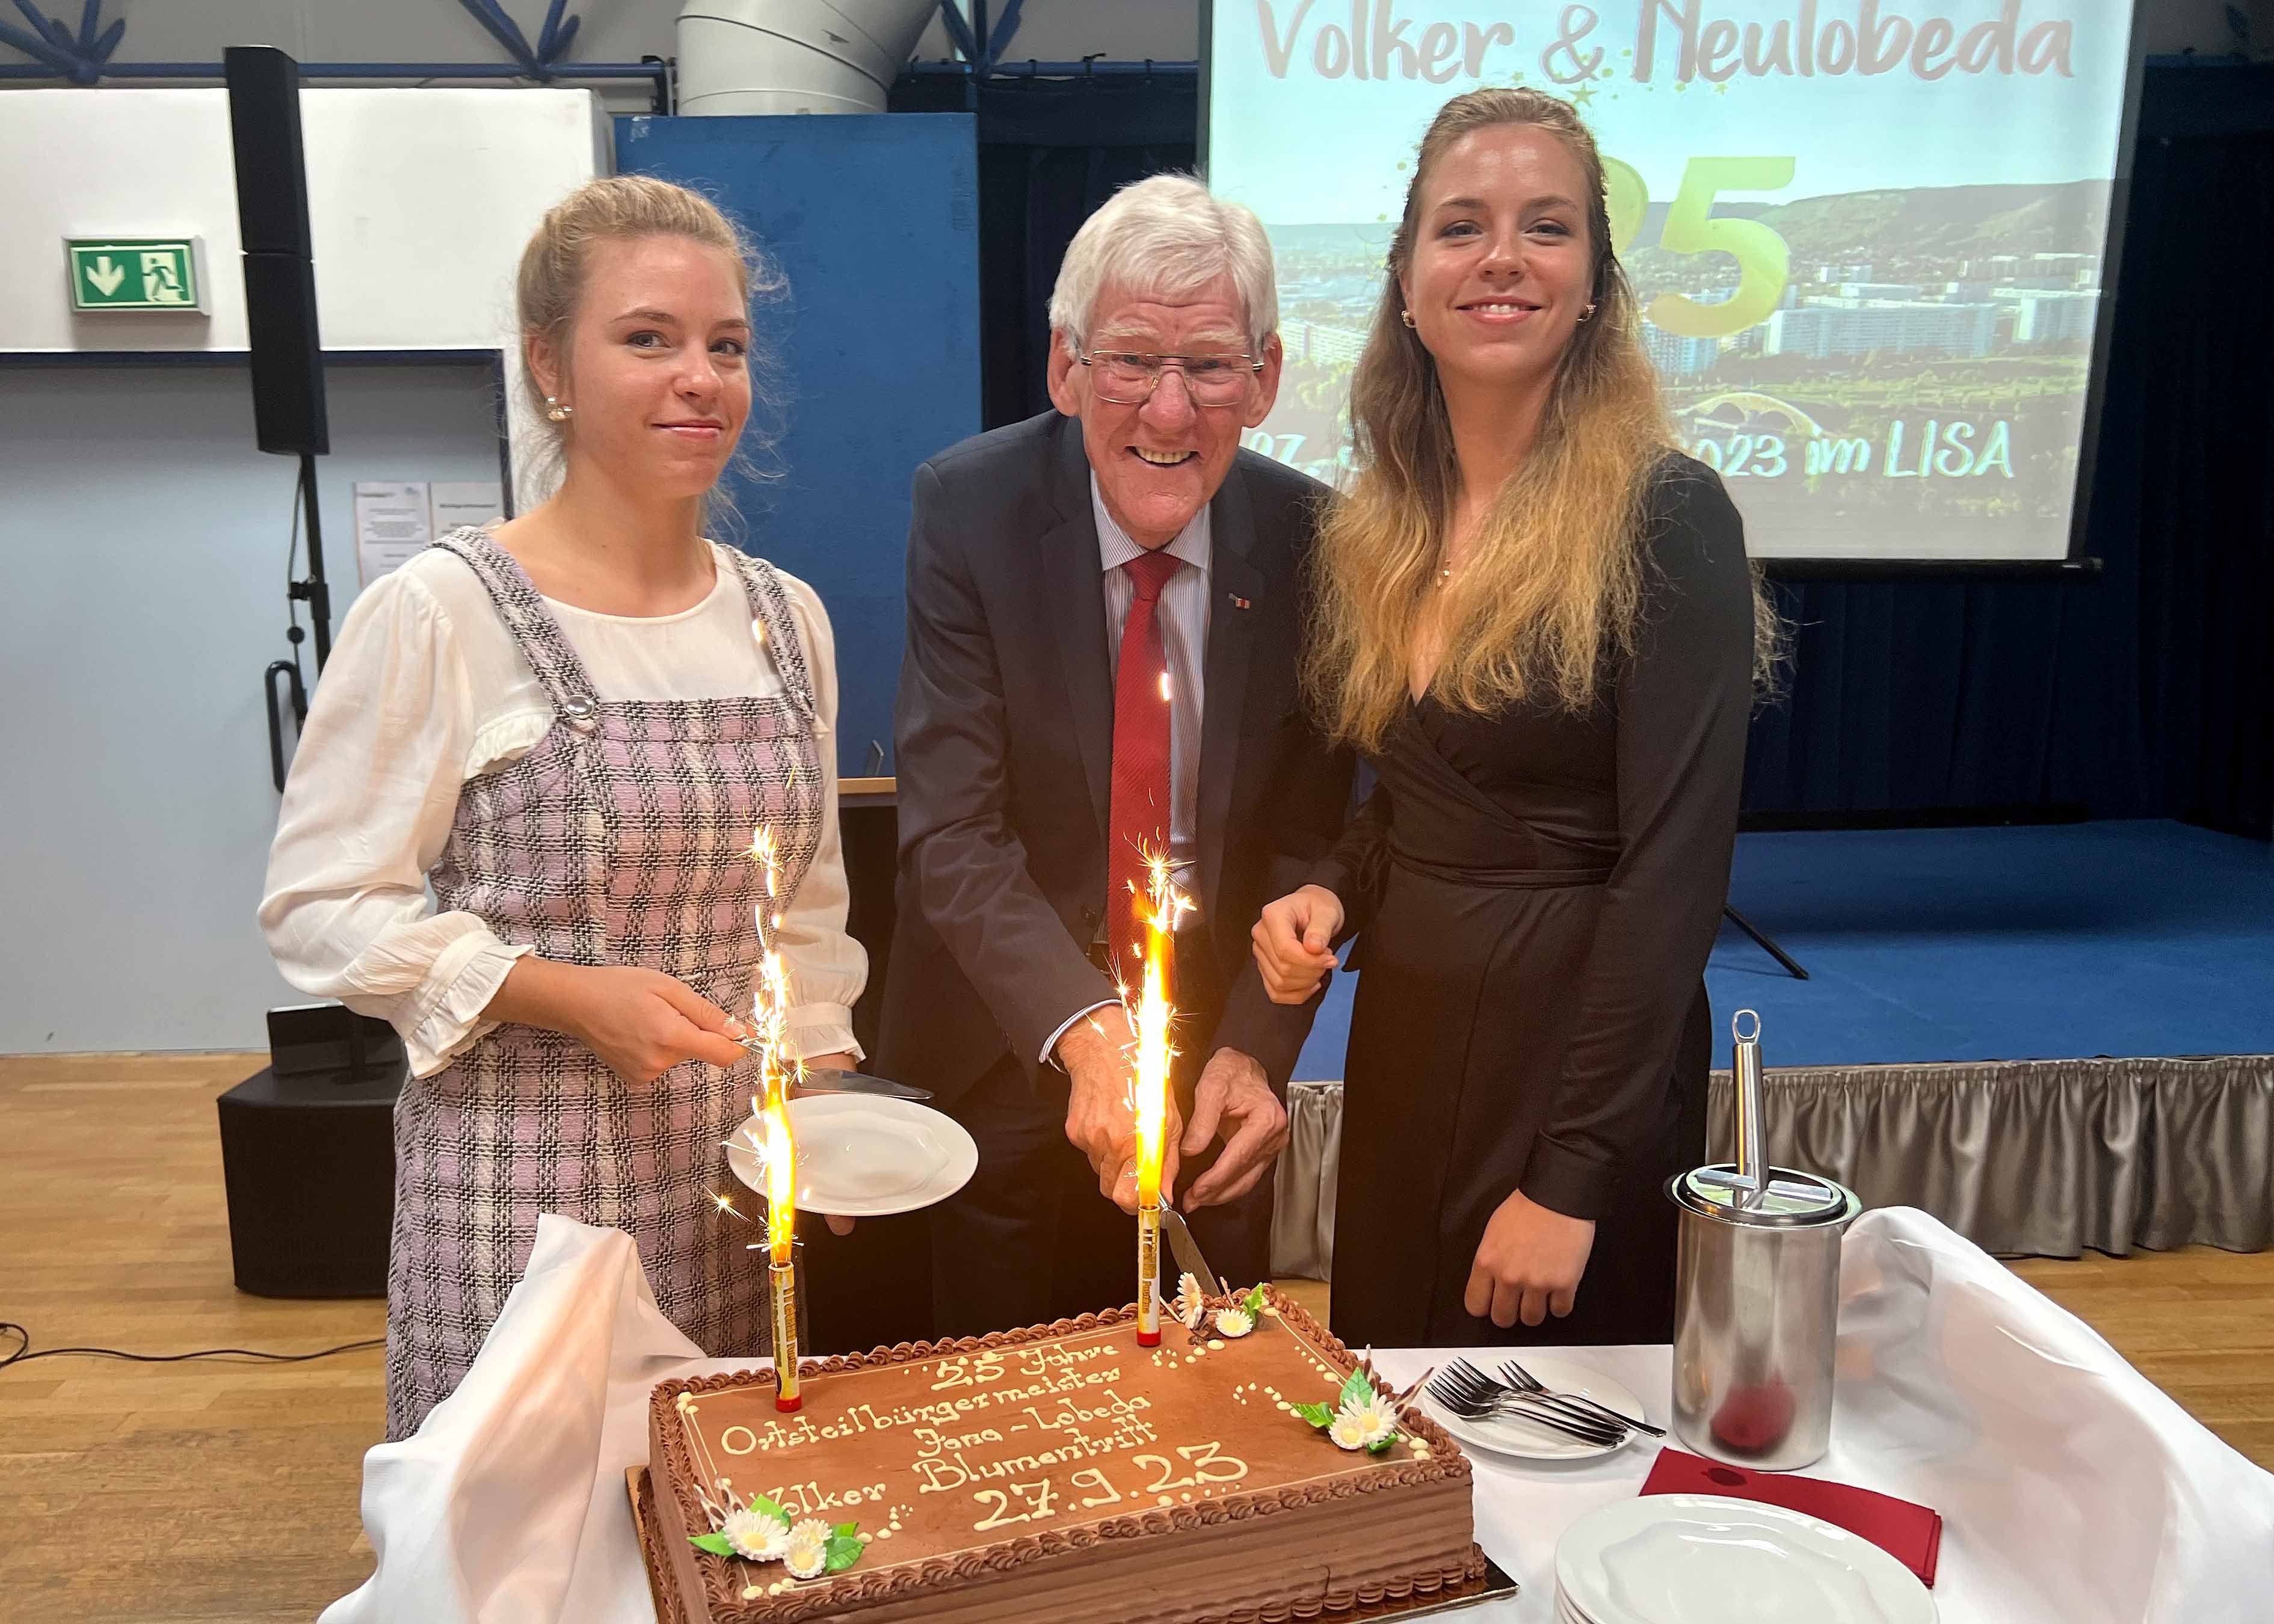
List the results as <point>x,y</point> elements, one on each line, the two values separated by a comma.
<point>1235,585</point>
<point>1075,605</point>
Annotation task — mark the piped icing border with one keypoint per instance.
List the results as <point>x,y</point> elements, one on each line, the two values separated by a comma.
<point>856,1590</point>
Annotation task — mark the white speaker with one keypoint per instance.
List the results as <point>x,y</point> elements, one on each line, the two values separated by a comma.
<point>794,56</point>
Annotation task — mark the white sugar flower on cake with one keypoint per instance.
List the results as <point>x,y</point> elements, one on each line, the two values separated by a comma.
<point>806,1552</point>
<point>1365,1424</point>
<point>755,1536</point>
<point>762,1531</point>
<point>1190,1306</point>
<point>1240,1319</point>
<point>1361,1419</point>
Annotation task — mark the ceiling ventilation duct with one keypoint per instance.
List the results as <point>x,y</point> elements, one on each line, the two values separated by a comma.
<point>794,56</point>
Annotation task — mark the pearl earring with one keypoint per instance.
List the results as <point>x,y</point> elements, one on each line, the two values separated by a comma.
<point>1407,316</point>
<point>555,410</point>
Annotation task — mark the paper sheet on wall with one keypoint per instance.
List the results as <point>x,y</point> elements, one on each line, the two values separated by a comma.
<point>395,518</point>
<point>457,502</point>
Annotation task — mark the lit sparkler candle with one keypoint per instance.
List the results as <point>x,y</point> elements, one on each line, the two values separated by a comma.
<point>1153,1016</point>
<point>781,1230</point>
<point>770,1013</point>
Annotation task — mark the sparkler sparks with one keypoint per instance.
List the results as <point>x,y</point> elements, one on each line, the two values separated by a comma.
<point>1152,1017</point>
<point>778,1069</point>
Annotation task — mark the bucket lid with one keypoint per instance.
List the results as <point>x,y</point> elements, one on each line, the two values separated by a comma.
<point>1793,1201</point>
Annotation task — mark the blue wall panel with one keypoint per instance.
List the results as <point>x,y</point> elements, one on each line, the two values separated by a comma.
<point>875,220</point>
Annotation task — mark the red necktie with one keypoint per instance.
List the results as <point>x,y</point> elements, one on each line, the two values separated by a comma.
<point>1138,823</point>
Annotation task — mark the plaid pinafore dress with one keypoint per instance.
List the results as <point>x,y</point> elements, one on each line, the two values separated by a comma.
<point>620,838</point>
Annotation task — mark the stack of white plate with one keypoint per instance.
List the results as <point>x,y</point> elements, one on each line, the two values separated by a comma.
<point>1701,1559</point>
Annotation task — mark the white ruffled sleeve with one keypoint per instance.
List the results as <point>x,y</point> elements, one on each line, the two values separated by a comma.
<point>367,814</point>
<point>827,968</point>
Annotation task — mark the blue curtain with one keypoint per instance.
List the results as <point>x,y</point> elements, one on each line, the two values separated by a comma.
<point>1049,152</point>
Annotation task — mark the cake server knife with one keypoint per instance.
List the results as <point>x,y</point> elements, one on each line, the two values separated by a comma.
<point>829,1079</point>
<point>1187,1251</point>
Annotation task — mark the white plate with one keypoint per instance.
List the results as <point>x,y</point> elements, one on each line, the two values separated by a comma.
<point>863,1155</point>
<point>1702,1559</point>
<point>1512,1435</point>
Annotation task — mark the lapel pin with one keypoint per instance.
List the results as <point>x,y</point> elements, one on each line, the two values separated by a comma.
<point>1237,602</point>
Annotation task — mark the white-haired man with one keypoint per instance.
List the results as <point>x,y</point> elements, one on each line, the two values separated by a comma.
<point>1104,611</point>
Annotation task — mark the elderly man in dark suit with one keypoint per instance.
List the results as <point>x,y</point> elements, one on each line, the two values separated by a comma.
<point>1104,611</point>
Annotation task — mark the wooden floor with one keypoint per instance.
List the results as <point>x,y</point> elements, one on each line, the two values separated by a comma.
<point>226,1490</point>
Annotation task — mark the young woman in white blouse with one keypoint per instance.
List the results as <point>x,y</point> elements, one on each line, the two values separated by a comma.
<point>570,726</point>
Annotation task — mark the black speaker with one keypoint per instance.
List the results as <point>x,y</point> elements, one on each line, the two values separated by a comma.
<point>288,356</point>
<point>326,1039</point>
<point>307,1156</point>
<point>308,1165</point>
<point>280,280</point>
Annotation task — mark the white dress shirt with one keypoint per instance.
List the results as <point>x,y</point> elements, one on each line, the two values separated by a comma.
<point>1182,616</point>
<point>426,690</point>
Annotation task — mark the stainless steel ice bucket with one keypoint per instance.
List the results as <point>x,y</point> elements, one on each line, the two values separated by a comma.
<point>1757,1295</point>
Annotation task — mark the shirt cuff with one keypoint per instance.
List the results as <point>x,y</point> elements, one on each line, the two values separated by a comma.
<point>1050,1049</point>
<point>822,1029</point>
<point>446,1017</point>
<point>1563,1181</point>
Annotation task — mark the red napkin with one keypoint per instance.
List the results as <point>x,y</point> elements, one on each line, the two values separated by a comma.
<point>1910,1534</point>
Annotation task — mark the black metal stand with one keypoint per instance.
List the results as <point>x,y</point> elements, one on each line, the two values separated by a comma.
<point>1767,942</point>
<point>316,592</point>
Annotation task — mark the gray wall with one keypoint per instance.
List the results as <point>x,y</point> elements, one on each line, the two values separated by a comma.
<point>142,543</point>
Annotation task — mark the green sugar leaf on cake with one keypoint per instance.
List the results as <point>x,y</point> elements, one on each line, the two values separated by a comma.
<point>846,1531</point>
<point>1356,1390</point>
<point>775,1510</point>
<point>1253,1306</point>
<point>717,1544</point>
<point>1382,1445</point>
<point>843,1549</point>
<point>1317,1415</point>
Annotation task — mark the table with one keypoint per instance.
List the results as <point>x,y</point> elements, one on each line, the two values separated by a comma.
<point>2073,1490</point>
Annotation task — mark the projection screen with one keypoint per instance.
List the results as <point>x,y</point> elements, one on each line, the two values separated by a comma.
<point>1871,240</point>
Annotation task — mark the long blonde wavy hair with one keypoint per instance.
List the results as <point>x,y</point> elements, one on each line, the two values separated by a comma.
<point>1554,580</point>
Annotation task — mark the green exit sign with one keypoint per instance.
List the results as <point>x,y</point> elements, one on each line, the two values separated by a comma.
<point>136,273</point>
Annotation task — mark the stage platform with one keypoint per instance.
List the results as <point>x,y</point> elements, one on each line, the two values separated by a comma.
<point>2014,943</point>
<point>2052,1037</point>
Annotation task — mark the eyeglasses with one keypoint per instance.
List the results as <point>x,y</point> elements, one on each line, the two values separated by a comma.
<point>1127,378</point>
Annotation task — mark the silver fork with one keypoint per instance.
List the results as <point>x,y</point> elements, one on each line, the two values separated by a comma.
<point>1564,1405</point>
<point>1468,1392</point>
<point>1516,1376</point>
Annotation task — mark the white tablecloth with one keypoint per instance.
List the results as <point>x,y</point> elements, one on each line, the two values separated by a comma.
<point>2073,1491</point>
